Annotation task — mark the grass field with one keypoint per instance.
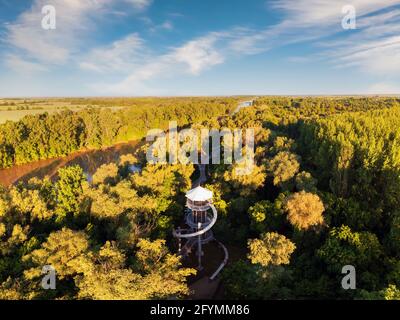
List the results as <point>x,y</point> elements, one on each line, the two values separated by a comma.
<point>16,109</point>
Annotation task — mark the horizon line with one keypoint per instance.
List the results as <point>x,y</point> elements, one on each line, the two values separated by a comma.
<point>393,95</point>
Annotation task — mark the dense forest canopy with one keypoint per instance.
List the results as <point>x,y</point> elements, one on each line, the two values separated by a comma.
<point>324,193</point>
<point>44,136</point>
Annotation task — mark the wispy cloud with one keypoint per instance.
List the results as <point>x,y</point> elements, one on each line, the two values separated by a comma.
<point>51,46</point>
<point>74,20</point>
<point>384,88</point>
<point>154,27</point>
<point>140,4</point>
<point>121,56</point>
<point>166,25</point>
<point>322,13</point>
<point>377,56</point>
<point>374,47</point>
<point>193,57</point>
<point>306,20</point>
<point>21,66</point>
<point>198,54</point>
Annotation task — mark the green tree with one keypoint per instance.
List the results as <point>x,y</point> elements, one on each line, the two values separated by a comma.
<point>306,182</point>
<point>359,249</point>
<point>69,191</point>
<point>266,216</point>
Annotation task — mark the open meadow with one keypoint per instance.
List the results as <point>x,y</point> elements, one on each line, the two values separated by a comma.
<point>16,109</point>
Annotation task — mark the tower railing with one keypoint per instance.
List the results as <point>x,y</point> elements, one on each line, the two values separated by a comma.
<point>190,220</point>
<point>198,208</point>
<point>199,205</point>
<point>195,233</point>
<point>200,218</point>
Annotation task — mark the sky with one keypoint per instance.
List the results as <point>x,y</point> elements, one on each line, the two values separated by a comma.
<point>199,47</point>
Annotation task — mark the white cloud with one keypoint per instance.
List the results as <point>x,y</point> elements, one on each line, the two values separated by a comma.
<point>380,57</point>
<point>52,46</point>
<point>198,54</point>
<point>314,18</point>
<point>314,13</point>
<point>140,4</point>
<point>120,56</point>
<point>74,22</point>
<point>193,57</point>
<point>384,88</point>
<point>167,25</point>
<point>21,66</point>
<point>373,47</point>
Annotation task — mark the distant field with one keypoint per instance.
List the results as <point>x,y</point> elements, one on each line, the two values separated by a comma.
<point>16,109</point>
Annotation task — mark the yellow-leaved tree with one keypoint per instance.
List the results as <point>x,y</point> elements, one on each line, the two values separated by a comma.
<point>272,249</point>
<point>304,210</point>
<point>104,273</point>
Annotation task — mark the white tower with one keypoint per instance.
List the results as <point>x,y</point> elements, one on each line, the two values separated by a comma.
<point>200,218</point>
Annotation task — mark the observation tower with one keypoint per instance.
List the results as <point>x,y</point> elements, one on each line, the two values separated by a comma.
<point>200,217</point>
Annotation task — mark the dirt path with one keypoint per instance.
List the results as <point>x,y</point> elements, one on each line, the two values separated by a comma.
<point>204,289</point>
<point>202,178</point>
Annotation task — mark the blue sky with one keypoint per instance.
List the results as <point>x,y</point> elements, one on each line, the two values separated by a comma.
<point>199,47</point>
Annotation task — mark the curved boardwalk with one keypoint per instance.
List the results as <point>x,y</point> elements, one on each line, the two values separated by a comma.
<point>206,287</point>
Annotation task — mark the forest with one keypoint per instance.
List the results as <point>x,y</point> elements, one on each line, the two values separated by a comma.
<point>324,193</point>
<point>44,136</point>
